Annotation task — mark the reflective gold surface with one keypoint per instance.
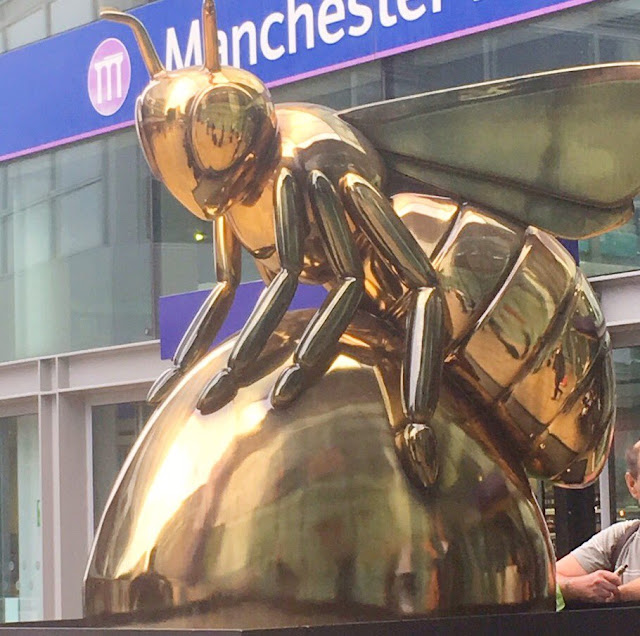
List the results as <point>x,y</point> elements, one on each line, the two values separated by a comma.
<point>528,338</point>
<point>306,515</point>
<point>344,464</point>
<point>303,191</point>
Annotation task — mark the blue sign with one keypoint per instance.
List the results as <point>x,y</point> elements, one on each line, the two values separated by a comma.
<point>85,82</point>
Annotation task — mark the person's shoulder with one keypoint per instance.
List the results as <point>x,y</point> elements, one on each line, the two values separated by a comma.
<point>608,536</point>
<point>615,532</point>
<point>626,525</point>
<point>619,527</point>
<point>630,528</point>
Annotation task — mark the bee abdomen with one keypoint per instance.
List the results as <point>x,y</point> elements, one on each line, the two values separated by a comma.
<point>570,393</point>
<point>473,264</point>
<point>539,355</point>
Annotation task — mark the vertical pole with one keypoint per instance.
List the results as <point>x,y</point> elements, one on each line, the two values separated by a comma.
<point>575,518</point>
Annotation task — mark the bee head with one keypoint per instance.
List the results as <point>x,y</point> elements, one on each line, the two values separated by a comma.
<point>232,131</point>
<point>206,132</point>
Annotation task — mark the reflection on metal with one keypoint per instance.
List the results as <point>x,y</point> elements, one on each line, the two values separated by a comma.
<point>487,339</point>
<point>305,515</point>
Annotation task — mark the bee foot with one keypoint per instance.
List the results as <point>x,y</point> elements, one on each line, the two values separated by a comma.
<point>288,387</point>
<point>220,391</point>
<point>422,450</point>
<point>164,385</point>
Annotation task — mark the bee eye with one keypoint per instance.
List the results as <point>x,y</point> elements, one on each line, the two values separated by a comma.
<point>225,121</point>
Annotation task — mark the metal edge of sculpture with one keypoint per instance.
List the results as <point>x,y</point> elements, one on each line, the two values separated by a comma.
<point>370,459</point>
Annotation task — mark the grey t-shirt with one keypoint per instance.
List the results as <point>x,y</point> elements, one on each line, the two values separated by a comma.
<point>595,554</point>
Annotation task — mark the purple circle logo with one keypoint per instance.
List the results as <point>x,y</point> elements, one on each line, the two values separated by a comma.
<point>109,76</point>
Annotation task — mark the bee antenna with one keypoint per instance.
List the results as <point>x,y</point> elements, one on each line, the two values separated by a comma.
<point>147,50</point>
<point>210,36</point>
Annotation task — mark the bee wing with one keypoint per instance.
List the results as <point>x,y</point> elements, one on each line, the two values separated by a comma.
<point>556,150</point>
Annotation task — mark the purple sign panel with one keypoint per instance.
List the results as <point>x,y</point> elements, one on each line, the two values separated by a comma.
<point>177,311</point>
<point>88,78</point>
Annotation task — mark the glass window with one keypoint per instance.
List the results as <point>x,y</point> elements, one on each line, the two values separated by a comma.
<point>22,25</point>
<point>624,46</point>
<point>115,427</point>
<point>627,369</point>
<point>619,37</point>
<point>79,165</point>
<point>76,240</point>
<point>615,251</point>
<point>80,220</point>
<point>5,239</point>
<point>29,181</point>
<point>184,248</point>
<point>532,49</point>
<point>66,14</point>
<point>516,50</point>
<point>28,29</point>
<point>5,228</point>
<point>3,190</point>
<point>32,236</point>
<point>20,520</point>
<point>339,90</point>
<point>435,67</point>
<point>124,5</point>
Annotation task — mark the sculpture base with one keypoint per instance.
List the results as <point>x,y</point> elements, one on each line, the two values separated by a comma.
<point>312,515</point>
<point>598,620</point>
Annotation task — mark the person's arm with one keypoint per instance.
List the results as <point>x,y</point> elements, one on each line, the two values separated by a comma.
<point>577,584</point>
<point>629,591</point>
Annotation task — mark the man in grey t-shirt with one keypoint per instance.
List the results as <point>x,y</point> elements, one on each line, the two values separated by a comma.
<point>589,572</point>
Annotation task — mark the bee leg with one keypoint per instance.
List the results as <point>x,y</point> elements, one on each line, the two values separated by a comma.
<point>426,327</point>
<point>422,369</point>
<point>421,452</point>
<point>206,323</point>
<point>317,346</point>
<point>272,304</point>
<point>421,377</point>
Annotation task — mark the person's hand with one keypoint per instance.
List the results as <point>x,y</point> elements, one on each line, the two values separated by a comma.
<point>598,587</point>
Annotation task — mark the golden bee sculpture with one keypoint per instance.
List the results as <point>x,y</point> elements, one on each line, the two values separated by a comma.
<point>429,213</point>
